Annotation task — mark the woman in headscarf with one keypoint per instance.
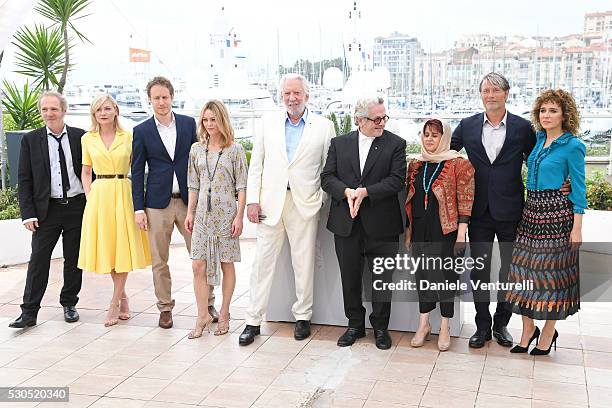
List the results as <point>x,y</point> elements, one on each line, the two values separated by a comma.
<point>439,203</point>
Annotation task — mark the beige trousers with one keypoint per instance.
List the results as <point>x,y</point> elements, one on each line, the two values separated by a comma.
<point>302,238</point>
<point>161,224</point>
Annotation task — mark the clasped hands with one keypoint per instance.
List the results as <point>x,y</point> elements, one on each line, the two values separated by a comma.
<point>354,198</point>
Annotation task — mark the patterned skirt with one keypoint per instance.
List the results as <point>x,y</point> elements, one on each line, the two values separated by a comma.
<point>542,256</point>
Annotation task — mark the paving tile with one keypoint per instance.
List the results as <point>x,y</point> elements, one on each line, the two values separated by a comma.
<point>389,392</point>
<point>436,397</point>
<point>563,393</point>
<point>92,384</point>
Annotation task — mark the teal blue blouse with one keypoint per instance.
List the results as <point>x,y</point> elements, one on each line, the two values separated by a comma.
<point>549,167</point>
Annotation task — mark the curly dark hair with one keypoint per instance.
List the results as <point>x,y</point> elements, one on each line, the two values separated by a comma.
<point>571,115</point>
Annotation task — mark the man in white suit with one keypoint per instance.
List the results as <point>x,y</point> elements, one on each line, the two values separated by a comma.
<point>284,196</point>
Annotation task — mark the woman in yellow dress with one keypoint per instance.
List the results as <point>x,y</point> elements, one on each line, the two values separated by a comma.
<point>110,240</point>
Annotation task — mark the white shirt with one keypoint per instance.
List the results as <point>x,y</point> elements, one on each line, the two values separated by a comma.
<point>168,137</point>
<point>365,142</point>
<point>76,187</point>
<point>493,137</point>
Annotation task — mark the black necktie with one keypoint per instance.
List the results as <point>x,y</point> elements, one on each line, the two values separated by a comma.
<point>63,167</point>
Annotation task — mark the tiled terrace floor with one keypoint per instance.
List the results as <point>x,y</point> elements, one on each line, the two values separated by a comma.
<point>137,364</point>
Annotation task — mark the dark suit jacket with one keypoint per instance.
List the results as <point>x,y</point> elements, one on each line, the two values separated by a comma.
<point>34,174</point>
<point>147,147</point>
<point>383,176</point>
<point>499,185</point>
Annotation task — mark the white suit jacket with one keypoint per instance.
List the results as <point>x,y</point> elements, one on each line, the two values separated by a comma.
<point>270,170</point>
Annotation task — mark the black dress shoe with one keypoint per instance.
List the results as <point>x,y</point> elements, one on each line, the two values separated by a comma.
<point>350,336</point>
<point>383,340</point>
<point>302,329</point>
<point>23,321</point>
<point>213,313</point>
<point>70,314</point>
<point>479,338</point>
<point>248,335</point>
<point>503,336</point>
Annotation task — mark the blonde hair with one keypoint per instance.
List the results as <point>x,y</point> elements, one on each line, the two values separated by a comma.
<point>221,114</point>
<point>96,104</point>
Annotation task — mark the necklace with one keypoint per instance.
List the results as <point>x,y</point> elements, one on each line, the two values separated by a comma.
<point>427,186</point>
<point>211,177</point>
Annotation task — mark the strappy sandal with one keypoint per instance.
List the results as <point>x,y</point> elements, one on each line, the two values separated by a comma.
<point>124,309</point>
<point>223,325</point>
<point>112,317</point>
<point>201,325</point>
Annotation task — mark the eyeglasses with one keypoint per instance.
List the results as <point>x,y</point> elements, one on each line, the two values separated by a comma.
<point>378,120</point>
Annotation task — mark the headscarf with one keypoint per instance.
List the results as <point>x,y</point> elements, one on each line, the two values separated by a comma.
<point>443,152</point>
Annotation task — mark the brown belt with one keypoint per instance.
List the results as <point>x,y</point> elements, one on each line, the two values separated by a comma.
<point>111,176</point>
<point>175,195</point>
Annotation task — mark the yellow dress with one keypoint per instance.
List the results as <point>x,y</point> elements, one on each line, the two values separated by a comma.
<point>110,238</point>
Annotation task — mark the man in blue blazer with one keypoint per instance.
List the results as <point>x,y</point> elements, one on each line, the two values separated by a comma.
<point>497,143</point>
<point>163,143</point>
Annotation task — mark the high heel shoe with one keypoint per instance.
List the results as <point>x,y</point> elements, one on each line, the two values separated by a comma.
<point>223,325</point>
<point>444,340</point>
<point>539,352</point>
<point>112,317</point>
<point>418,341</point>
<point>124,309</point>
<point>520,349</point>
<point>201,325</point>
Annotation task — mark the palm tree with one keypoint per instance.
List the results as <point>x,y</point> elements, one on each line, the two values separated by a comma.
<point>63,13</point>
<point>40,55</point>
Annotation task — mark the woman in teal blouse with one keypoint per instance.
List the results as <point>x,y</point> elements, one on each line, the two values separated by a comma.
<point>545,251</point>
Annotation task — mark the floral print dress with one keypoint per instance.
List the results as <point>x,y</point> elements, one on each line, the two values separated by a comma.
<point>212,228</point>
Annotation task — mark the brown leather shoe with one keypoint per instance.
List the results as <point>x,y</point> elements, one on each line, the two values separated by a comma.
<point>165,320</point>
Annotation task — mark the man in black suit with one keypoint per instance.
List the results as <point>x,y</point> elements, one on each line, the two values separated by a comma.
<point>51,200</point>
<point>497,143</point>
<point>364,172</point>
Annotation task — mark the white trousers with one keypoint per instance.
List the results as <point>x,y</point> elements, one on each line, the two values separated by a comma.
<point>302,238</point>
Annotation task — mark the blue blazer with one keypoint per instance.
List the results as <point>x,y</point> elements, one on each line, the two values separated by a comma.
<point>499,185</point>
<point>147,147</point>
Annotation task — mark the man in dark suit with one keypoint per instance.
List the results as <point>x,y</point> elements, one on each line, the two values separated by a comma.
<point>52,202</point>
<point>163,143</point>
<point>497,143</point>
<point>364,172</point>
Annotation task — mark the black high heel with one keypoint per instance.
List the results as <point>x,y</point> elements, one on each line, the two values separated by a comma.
<point>539,352</point>
<point>520,349</point>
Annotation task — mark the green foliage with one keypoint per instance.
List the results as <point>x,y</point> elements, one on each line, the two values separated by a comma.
<point>248,157</point>
<point>63,13</point>
<point>40,55</point>
<point>8,123</point>
<point>341,126</point>
<point>313,70</point>
<point>598,151</point>
<point>246,144</point>
<point>599,192</point>
<point>413,148</point>
<point>22,106</point>
<point>9,206</point>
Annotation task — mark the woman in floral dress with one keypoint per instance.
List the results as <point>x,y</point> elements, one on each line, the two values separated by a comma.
<point>216,180</point>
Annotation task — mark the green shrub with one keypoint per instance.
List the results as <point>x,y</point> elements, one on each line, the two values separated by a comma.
<point>9,206</point>
<point>599,192</point>
<point>8,123</point>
